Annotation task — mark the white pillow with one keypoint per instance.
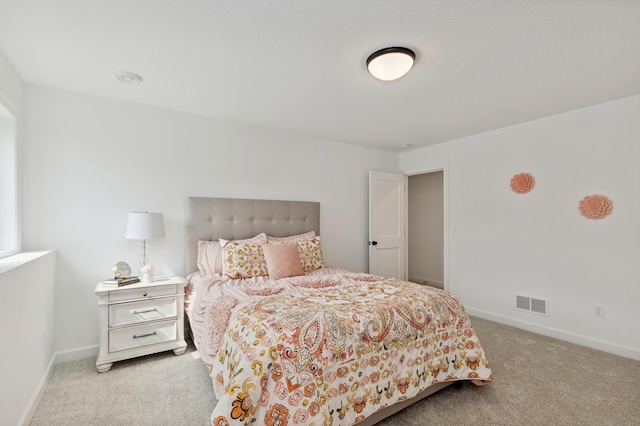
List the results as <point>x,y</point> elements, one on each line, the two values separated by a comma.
<point>293,238</point>
<point>209,257</point>
<point>258,239</point>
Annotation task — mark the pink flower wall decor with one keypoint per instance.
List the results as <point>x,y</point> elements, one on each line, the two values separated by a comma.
<point>595,206</point>
<point>522,183</point>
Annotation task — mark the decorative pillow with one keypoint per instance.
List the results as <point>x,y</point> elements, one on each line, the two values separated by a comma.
<point>293,238</point>
<point>258,239</point>
<point>310,254</point>
<point>209,257</point>
<point>282,260</point>
<point>243,260</point>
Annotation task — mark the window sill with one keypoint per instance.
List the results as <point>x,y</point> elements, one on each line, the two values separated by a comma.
<point>19,259</point>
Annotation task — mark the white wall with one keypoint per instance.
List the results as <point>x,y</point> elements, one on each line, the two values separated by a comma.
<point>537,244</point>
<point>425,228</point>
<point>90,160</point>
<point>27,323</point>
<point>27,302</point>
<point>10,143</point>
<point>10,83</point>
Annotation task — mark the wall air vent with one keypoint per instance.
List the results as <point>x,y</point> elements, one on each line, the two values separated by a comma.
<point>523,302</point>
<point>533,305</point>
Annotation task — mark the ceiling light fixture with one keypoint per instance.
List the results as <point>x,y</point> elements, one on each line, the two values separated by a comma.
<point>128,77</point>
<point>390,63</point>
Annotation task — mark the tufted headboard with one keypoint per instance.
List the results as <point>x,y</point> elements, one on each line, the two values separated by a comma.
<point>233,219</point>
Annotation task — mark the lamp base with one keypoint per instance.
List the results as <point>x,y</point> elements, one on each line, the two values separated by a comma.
<point>143,253</point>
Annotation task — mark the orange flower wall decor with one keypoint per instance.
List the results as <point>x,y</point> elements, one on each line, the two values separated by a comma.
<point>595,206</point>
<point>522,183</point>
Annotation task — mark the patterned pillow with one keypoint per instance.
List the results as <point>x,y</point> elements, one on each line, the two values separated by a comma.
<point>310,254</point>
<point>292,238</point>
<point>282,260</point>
<point>243,260</point>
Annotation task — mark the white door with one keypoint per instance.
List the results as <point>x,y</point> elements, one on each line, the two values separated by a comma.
<point>387,217</point>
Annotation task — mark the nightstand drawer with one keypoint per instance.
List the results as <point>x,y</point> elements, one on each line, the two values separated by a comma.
<point>140,293</point>
<point>142,335</point>
<point>142,311</point>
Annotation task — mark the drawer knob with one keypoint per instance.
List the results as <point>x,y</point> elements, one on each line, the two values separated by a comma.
<point>145,335</point>
<point>145,294</point>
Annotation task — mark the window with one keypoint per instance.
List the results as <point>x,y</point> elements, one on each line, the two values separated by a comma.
<point>9,235</point>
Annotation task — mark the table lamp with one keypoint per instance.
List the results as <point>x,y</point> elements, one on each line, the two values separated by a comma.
<point>145,226</point>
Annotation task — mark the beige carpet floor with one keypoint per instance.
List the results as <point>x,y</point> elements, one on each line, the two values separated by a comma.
<point>538,381</point>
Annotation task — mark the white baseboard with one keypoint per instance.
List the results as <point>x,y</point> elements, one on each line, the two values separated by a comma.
<point>422,280</point>
<point>35,399</point>
<point>56,358</point>
<point>76,354</point>
<point>578,339</point>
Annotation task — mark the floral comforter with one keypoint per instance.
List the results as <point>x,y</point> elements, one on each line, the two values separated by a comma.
<point>328,348</point>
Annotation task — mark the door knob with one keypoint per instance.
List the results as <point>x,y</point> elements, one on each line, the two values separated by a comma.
<point>374,243</point>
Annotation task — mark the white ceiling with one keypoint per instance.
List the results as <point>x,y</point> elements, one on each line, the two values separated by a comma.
<point>299,66</point>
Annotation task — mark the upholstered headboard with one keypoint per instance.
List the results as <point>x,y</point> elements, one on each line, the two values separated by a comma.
<point>233,219</point>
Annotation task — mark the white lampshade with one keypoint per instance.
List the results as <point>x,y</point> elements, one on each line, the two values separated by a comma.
<point>390,63</point>
<point>145,226</point>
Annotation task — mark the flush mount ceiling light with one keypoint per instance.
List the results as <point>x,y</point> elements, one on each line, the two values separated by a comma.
<point>128,77</point>
<point>390,63</point>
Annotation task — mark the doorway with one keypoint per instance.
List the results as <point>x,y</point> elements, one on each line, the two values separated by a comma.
<point>425,229</point>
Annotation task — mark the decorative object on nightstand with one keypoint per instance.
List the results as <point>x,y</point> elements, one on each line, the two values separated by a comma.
<point>145,226</point>
<point>121,282</point>
<point>140,319</point>
<point>121,275</point>
<point>147,273</point>
<point>121,270</point>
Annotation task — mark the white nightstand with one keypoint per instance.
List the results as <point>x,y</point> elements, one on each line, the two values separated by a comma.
<point>140,319</point>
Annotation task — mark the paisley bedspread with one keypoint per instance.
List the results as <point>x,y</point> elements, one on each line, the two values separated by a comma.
<point>334,349</point>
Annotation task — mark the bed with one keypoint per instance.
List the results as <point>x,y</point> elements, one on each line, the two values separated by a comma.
<point>289,340</point>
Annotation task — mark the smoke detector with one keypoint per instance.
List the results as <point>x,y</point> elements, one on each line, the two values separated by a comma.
<point>128,78</point>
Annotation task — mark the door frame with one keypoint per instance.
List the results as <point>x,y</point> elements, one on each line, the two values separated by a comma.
<point>431,168</point>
